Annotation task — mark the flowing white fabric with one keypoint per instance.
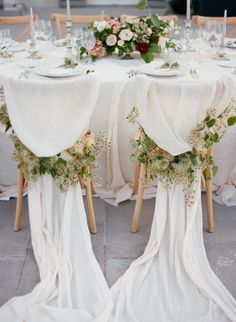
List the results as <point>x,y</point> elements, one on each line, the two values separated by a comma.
<point>41,111</point>
<point>72,286</point>
<point>172,281</point>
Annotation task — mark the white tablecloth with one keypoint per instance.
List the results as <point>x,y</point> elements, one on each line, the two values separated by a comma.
<point>172,281</point>
<point>113,103</point>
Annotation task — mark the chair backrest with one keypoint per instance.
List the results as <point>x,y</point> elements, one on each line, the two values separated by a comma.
<point>200,21</point>
<point>18,20</point>
<point>60,21</point>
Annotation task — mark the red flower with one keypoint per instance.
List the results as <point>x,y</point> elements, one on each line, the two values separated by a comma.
<point>143,47</point>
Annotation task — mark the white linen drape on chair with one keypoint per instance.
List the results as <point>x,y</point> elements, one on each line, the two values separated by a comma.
<point>172,281</point>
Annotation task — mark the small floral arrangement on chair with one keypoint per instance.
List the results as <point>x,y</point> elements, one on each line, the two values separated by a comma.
<point>125,35</point>
<point>182,169</point>
<point>68,167</point>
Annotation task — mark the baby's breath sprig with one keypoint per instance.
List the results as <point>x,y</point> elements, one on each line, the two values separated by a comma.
<point>181,169</point>
<point>67,167</point>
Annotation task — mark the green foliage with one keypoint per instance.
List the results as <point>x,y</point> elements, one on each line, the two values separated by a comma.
<point>143,4</point>
<point>155,20</point>
<point>181,169</point>
<point>67,167</point>
<point>232,120</point>
<point>148,57</point>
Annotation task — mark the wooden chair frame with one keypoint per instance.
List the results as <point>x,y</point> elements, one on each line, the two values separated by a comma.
<point>18,20</point>
<point>200,21</point>
<point>140,173</point>
<point>60,21</point>
<point>21,184</point>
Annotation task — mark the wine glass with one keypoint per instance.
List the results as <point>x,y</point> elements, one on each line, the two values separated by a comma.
<point>39,29</point>
<point>47,31</point>
<point>79,40</point>
<point>210,33</point>
<point>89,42</point>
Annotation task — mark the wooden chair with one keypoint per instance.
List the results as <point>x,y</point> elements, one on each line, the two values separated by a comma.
<point>200,21</point>
<point>140,172</point>
<point>21,184</point>
<point>60,21</point>
<point>18,20</point>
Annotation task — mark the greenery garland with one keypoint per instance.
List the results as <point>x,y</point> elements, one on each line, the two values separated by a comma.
<point>67,167</point>
<point>181,169</point>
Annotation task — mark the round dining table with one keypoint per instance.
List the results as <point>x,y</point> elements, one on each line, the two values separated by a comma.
<point>116,172</point>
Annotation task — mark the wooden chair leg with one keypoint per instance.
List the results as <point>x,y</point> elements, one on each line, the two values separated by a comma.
<point>19,201</point>
<point>136,179</point>
<point>209,202</point>
<point>137,211</point>
<point>91,215</point>
<point>203,183</point>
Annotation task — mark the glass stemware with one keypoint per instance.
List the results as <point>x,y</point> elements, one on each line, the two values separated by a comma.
<point>47,33</point>
<point>89,42</point>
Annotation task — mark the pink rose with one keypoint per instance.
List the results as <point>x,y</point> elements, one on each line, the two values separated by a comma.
<point>111,40</point>
<point>126,35</point>
<point>99,50</point>
<point>114,24</point>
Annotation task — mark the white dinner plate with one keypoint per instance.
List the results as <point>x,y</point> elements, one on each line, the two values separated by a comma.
<point>231,43</point>
<point>59,72</point>
<point>154,69</point>
<point>16,48</point>
<point>227,63</point>
<point>60,43</point>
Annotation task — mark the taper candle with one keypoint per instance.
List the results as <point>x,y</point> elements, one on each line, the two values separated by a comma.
<point>68,9</point>
<point>224,27</point>
<point>188,11</point>
<point>31,24</point>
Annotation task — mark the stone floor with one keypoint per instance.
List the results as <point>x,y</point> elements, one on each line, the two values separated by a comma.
<point>114,246</point>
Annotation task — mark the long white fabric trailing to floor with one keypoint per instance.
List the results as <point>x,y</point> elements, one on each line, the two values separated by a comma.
<point>171,282</point>
<point>72,286</point>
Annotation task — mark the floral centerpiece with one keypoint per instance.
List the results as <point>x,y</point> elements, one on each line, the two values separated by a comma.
<point>124,35</point>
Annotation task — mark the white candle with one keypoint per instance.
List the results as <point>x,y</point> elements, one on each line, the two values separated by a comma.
<point>188,11</point>
<point>68,9</point>
<point>31,24</point>
<point>225,23</point>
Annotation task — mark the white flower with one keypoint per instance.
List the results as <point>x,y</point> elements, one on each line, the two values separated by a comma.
<point>149,31</point>
<point>126,35</point>
<point>102,25</point>
<point>162,42</point>
<point>66,156</point>
<point>111,40</point>
<point>121,43</point>
<point>172,25</point>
